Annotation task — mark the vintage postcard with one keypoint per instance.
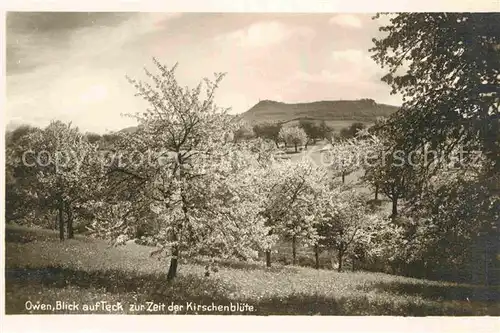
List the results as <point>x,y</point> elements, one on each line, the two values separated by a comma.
<point>210,163</point>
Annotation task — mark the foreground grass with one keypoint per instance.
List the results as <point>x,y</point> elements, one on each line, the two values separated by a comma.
<point>42,270</point>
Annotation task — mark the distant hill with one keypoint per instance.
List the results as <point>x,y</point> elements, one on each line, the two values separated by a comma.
<point>337,114</point>
<point>364,110</point>
<point>130,129</point>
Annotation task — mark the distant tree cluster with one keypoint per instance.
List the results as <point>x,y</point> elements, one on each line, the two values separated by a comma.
<point>351,131</point>
<point>294,136</point>
<point>269,131</point>
<point>316,131</point>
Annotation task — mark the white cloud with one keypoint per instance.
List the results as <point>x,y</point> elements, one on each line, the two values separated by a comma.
<point>345,66</point>
<point>324,76</point>
<point>353,60</point>
<point>94,42</point>
<point>94,93</point>
<point>346,20</point>
<point>236,101</point>
<point>385,19</point>
<point>83,80</point>
<point>263,34</point>
<point>277,97</point>
<point>349,55</point>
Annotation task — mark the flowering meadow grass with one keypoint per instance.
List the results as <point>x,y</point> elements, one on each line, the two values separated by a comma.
<point>40,268</point>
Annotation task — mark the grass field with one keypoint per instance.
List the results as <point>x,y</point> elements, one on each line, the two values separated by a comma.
<point>42,270</point>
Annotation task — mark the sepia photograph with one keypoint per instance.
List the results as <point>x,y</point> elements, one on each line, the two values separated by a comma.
<point>244,163</point>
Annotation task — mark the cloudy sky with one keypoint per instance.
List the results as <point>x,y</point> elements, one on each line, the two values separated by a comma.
<point>72,66</point>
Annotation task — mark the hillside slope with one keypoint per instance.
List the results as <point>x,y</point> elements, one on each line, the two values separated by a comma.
<point>364,110</point>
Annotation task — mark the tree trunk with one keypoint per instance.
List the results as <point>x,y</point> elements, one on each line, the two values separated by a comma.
<point>61,220</point>
<point>295,147</point>
<point>294,250</point>
<point>70,221</point>
<point>353,261</point>
<point>268,258</point>
<point>340,258</point>
<point>376,192</point>
<point>316,254</point>
<point>394,206</point>
<point>172,270</point>
<point>343,177</point>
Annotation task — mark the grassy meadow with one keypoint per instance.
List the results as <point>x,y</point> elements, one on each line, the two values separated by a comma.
<point>41,269</point>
